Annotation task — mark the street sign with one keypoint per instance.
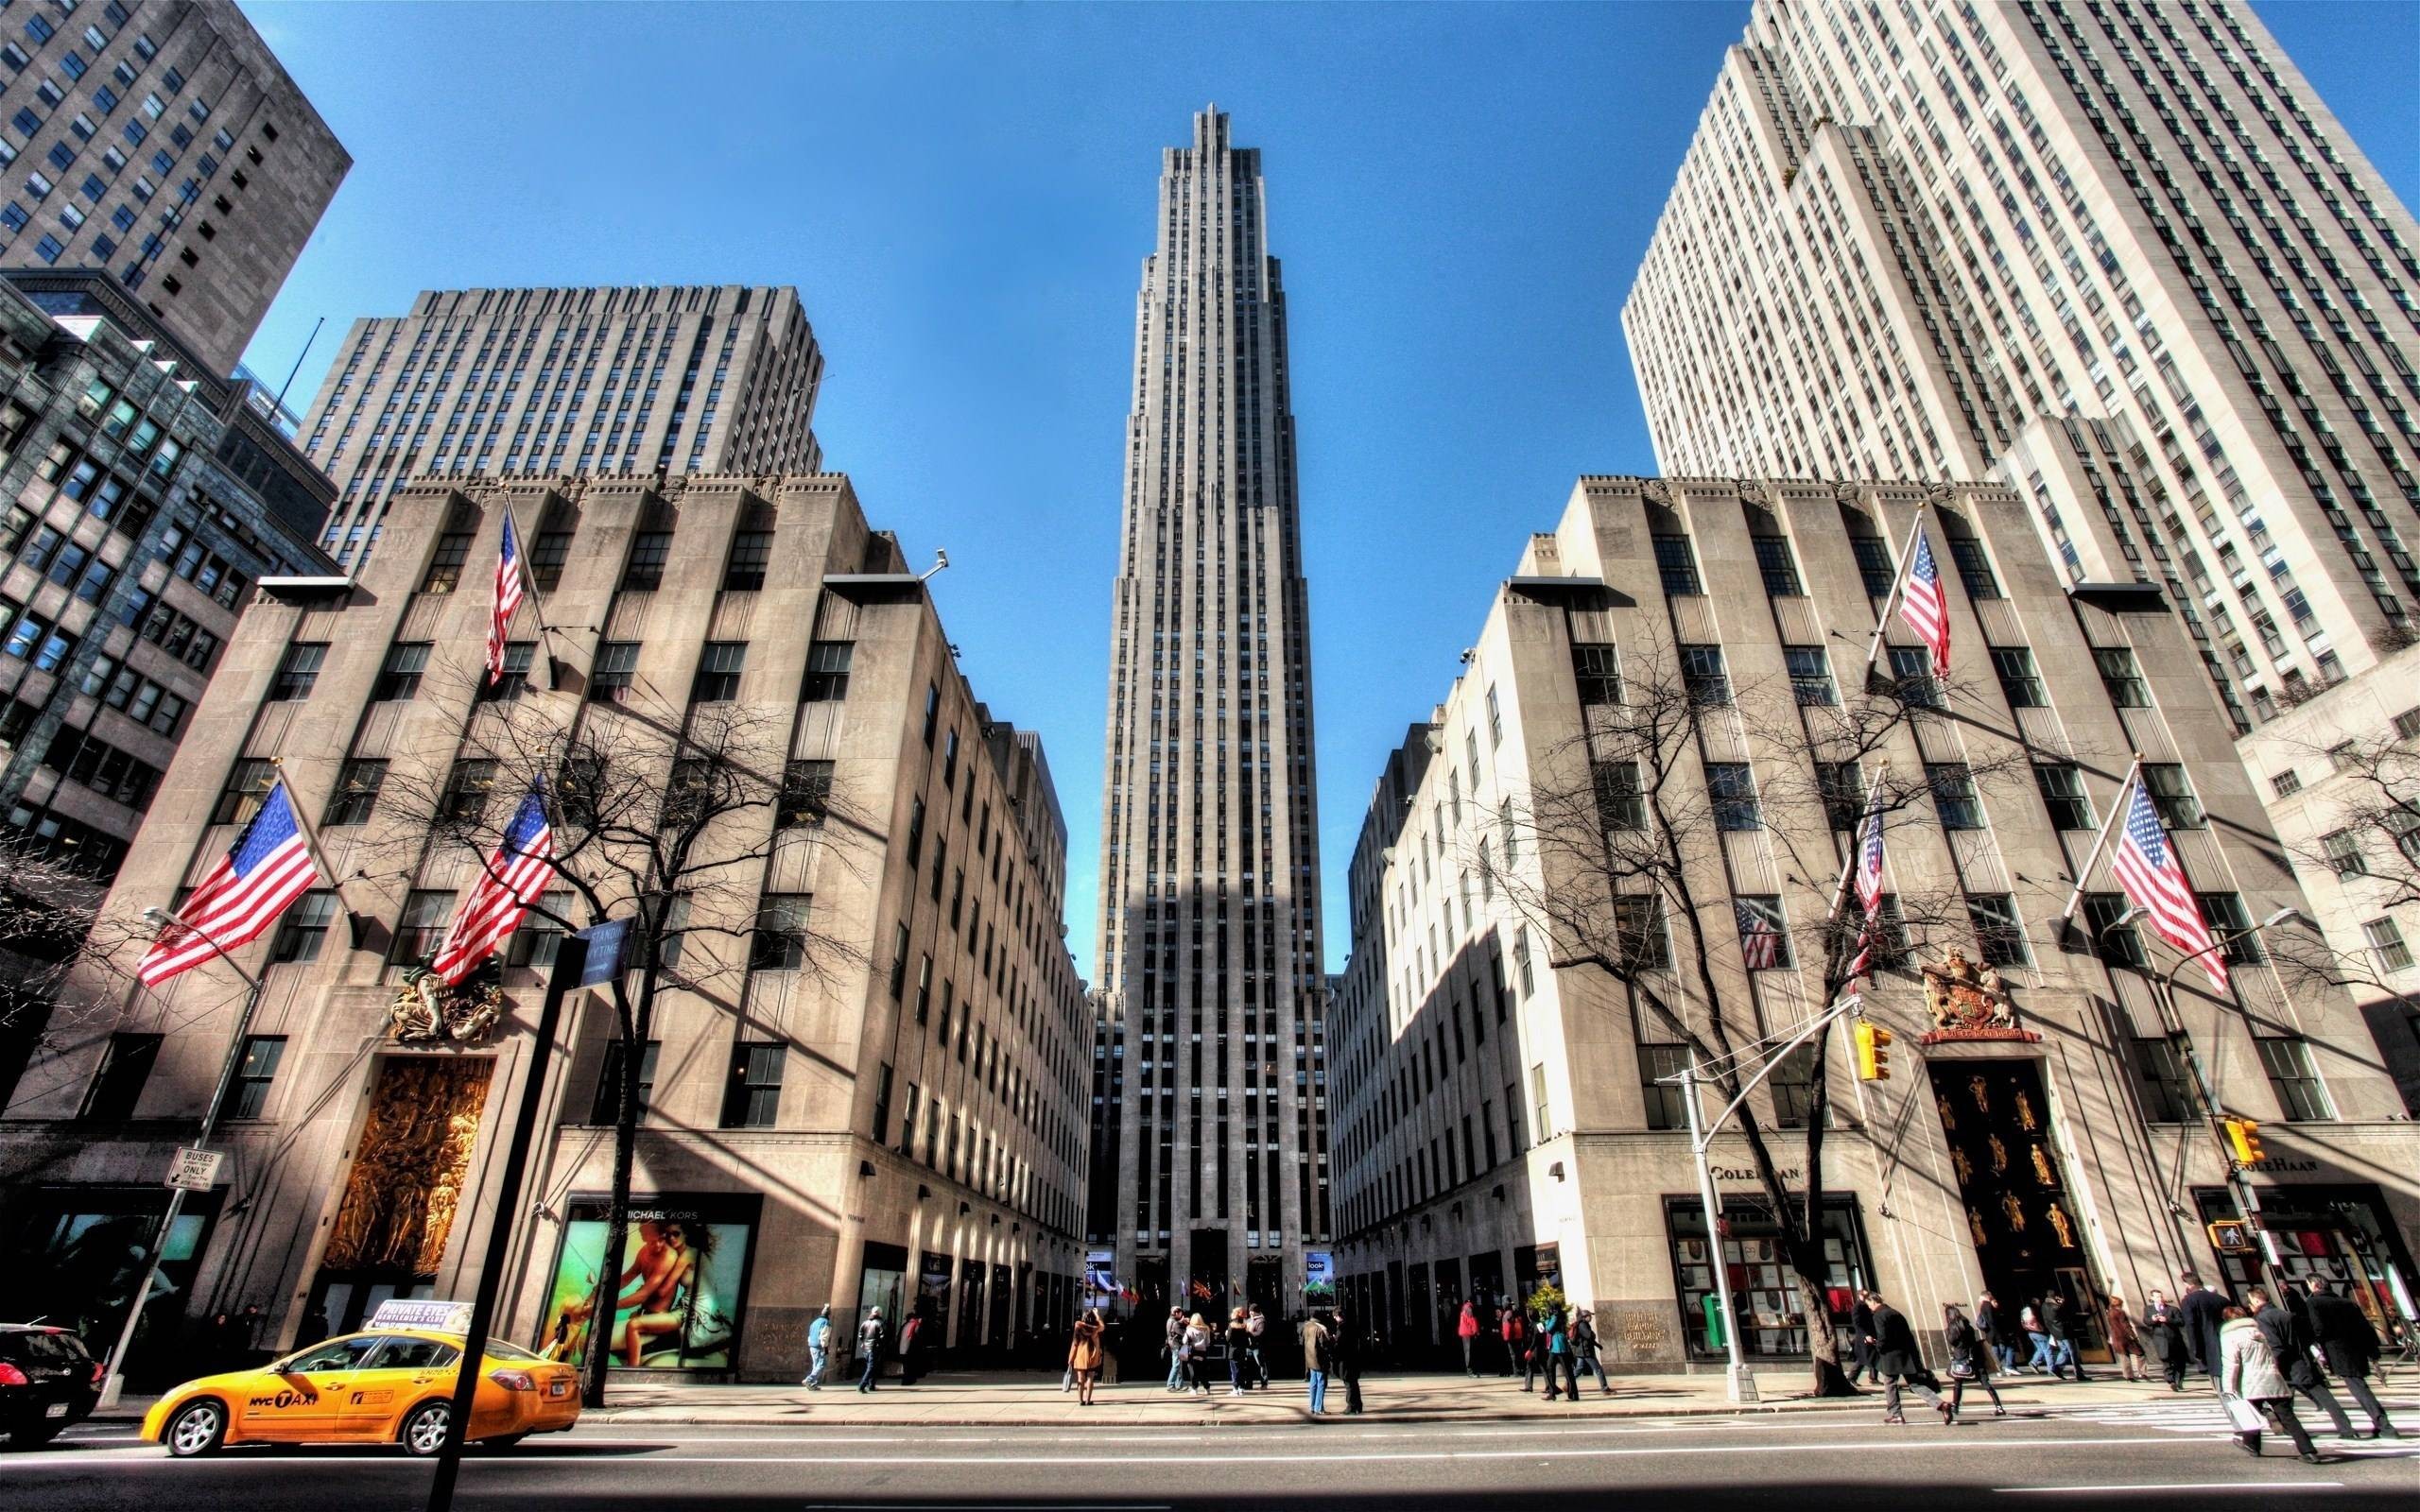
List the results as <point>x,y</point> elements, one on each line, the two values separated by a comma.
<point>191,1170</point>
<point>605,943</point>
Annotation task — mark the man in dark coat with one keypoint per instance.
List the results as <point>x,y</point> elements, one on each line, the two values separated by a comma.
<point>1861,1339</point>
<point>2199,1308</point>
<point>1896,1358</point>
<point>2289,1344</point>
<point>1987,1323</point>
<point>2351,1346</point>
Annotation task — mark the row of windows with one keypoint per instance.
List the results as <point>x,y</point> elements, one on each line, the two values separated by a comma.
<point>1676,564</point>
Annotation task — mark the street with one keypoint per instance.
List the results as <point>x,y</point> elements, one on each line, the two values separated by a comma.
<point>2146,1455</point>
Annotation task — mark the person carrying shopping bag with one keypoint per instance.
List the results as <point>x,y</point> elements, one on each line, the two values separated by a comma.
<point>2253,1388</point>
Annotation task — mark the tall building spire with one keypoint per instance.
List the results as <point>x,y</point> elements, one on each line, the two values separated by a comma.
<point>1207,1164</point>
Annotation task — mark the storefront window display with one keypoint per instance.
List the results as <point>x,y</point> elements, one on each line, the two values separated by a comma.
<point>74,1257</point>
<point>679,1291</point>
<point>1764,1298</point>
<point>2339,1231</point>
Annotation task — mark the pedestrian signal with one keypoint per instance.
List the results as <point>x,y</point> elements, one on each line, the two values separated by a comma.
<point>2243,1140</point>
<point>1872,1051</point>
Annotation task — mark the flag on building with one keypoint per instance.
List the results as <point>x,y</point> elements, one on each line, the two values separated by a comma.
<point>511,881</point>
<point>267,868</point>
<point>1759,942</point>
<point>2145,867</point>
<point>1868,882</point>
<point>1924,605</point>
<point>508,598</point>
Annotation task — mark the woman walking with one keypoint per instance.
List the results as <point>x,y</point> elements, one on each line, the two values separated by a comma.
<point>2124,1342</point>
<point>1238,1351</point>
<point>1084,1355</point>
<point>1197,1355</point>
<point>1970,1361</point>
<point>2253,1387</point>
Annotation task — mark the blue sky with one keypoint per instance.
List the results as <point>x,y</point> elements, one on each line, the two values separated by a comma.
<point>964,196</point>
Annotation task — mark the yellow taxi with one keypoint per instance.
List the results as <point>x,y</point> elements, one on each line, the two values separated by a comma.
<point>386,1384</point>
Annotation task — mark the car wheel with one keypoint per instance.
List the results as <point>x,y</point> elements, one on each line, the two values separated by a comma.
<point>199,1428</point>
<point>424,1430</point>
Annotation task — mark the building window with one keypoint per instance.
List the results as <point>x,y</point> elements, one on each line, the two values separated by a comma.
<point>357,792</point>
<point>2062,794</point>
<point>899,963</point>
<point>1665,1108</point>
<point>1974,568</point>
<point>399,678</point>
<point>717,679</point>
<point>547,555</point>
<point>467,787</point>
<point>2159,1072</point>
<point>1953,795</point>
<point>1731,788</point>
<point>607,1107</point>
<point>2019,683</point>
<point>1677,564</point>
<point>2121,676</point>
<point>827,672</point>
<point>1494,718</point>
<point>126,1066</point>
<point>882,1105</point>
<point>2300,1091</point>
<point>645,570</point>
<point>1999,932</point>
<point>806,795</point>
<point>1793,1084</point>
<point>1912,679</point>
<point>421,927</point>
<point>540,934</point>
<point>512,678</point>
<point>2173,795</point>
<point>1764,932</point>
<point>1639,929</point>
<point>779,943</point>
<point>304,927</point>
<point>754,1098</point>
<point>2342,850</point>
<point>300,671</point>
<point>2286,783</point>
<point>1779,568</point>
<point>1620,805</point>
<point>1810,676</point>
<point>614,679</point>
<point>253,1077</point>
<point>1598,670</point>
<point>2223,912</point>
<point>247,784</point>
<point>2387,946</point>
<point>1874,565</point>
<point>932,713</point>
<point>752,552</point>
<point>1704,675</point>
<point>2115,944</point>
<point>1841,787</point>
<point>445,567</point>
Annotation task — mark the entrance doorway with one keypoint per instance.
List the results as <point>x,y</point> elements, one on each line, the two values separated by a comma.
<point>2020,1211</point>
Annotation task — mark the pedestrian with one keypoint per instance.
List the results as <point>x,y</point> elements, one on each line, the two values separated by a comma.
<point>2125,1341</point>
<point>1584,1349</point>
<point>1971,1362</point>
<point>1174,1350</point>
<point>1256,1329</point>
<point>2351,1346</point>
<point>1238,1351</point>
<point>870,1337</point>
<point>911,1346</point>
<point>1861,1338</point>
<point>818,1348</point>
<point>1317,1345</point>
<point>2200,1311</point>
<point>1197,1355</point>
<point>1467,1328</point>
<point>2164,1325</point>
<point>1994,1328</point>
<point>1560,1360</point>
<point>1897,1359</point>
<point>2252,1387</point>
<point>2044,1357</point>
<point>2289,1344</point>
<point>1515,1343</point>
<point>2062,1344</point>
<point>1084,1353</point>
<point>1345,1357</point>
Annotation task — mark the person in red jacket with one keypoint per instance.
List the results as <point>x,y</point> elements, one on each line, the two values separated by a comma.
<point>1517,1332</point>
<point>1468,1329</point>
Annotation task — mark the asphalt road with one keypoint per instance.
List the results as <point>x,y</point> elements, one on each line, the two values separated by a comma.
<point>2157,1457</point>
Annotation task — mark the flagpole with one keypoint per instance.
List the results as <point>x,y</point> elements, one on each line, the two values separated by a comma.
<point>530,586</point>
<point>1898,580</point>
<point>2118,818</point>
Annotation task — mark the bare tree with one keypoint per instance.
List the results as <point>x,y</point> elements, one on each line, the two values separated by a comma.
<point>60,964</point>
<point>663,816</point>
<point>1627,824</point>
<point>2370,846</point>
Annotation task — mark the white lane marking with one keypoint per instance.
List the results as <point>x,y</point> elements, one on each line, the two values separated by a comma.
<point>2172,1485</point>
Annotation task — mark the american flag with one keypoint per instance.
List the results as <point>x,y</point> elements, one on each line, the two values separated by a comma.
<point>508,598</point>
<point>1759,942</point>
<point>1924,605</point>
<point>267,868</point>
<point>2145,867</point>
<point>1869,881</point>
<point>511,881</point>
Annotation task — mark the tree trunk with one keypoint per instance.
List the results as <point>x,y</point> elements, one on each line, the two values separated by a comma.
<point>1822,1344</point>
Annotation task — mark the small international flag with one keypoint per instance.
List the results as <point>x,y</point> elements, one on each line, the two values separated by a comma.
<point>1759,942</point>
<point>1924,605</point>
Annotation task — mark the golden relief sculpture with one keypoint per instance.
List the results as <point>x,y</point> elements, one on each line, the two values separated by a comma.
<point>1949,1117</point>
<point>1974,1226</point>
<point>2042,1172</point>
<point>2024,1119</point>
<point>2059,1222</point>
<point>405,1189</point>
<point>426,1011</point>
<point>1982,1092</point>
<point>1999,1156</point>
<point>2013,1210</point>
<point>1965,1166</point>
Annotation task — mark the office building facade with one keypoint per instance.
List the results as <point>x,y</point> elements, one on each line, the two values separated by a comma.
<point>161,141</point>
<point>863,1083</point>
<point>1209,1179</point>
<point>544,382</point>
<point>1503,1112</point>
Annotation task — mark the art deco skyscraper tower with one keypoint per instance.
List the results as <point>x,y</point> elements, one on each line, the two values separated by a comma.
<point>1208,1168</point>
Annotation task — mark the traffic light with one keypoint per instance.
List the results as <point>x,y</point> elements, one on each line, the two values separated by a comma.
<point>2243,1139</point>
<point>1873,1050</point>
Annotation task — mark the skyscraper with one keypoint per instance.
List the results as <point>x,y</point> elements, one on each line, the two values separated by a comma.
<point>548,382</point>
<point>1209,1166</point>
<point>163,141</point>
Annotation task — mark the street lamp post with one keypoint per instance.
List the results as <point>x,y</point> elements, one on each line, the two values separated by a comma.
<point>114,1382</point>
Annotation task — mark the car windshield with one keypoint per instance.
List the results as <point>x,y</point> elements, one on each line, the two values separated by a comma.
<point>337,1354</point>
<point>42,1346</point>
<point>499,1349</point>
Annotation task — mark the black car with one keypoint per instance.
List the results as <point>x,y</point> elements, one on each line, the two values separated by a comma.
<point>47,1381</point>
